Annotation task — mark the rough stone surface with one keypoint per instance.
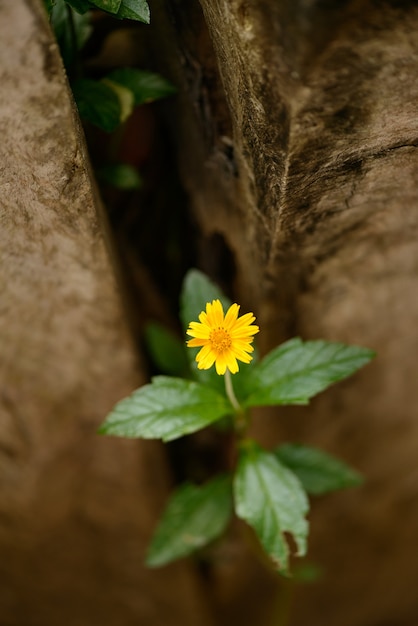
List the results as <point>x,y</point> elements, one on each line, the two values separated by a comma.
<point>298,135</point>
<point>76,509</point>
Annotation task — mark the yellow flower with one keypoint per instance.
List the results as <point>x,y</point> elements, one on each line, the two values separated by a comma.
<point>223,338</point>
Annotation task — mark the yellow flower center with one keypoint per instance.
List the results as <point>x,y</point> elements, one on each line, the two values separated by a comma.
<point>220,340</point>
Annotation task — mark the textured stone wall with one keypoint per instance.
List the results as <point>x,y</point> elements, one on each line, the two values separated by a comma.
<point>297,141</point>
<point>76,509</point>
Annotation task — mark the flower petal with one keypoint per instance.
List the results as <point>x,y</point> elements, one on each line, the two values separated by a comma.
<point>244,320</point>
<point>197,343</point>
<point>246,331</point>
<point>203,319</point>
<point>204,352</point>
<point>231,363</point>
<point>241,355</point>
<point>209,314</point>
<point>205,358</point>
<point>198,330</point>
<point>220,364</point>
<point>215,314</point>
<point>231,316</point>
<point>240,344</point>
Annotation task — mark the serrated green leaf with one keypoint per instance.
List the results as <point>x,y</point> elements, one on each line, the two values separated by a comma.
<point>125,96</point>
<point>270,498</point>
<point>296,371</point>
<point>146,86</point>
<point>317,471</point>
<point>81,6</point>
<point>111,6</point>
<point>97,103</point>
<point>167,351</point>
<point>166,409</point>
<point>120,175</point>
<point>134,10</point>
<point>194,517</point>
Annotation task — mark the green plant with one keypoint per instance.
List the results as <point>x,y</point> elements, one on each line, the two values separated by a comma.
<point>106,102</point>
<point>120,9</point>
<point>267,489</point>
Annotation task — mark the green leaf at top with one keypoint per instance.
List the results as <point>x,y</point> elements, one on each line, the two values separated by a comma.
<point>81,6</point>
<point>122,9</point>
<point>111,6</point>
<point>97,103</point>
<point>317,471</point>
<point>146,86</point>
<point>197,290</point>
<point>134,10</point>
<point>297,370</point>
<point>166,409</point>
<point>167,351</point>
<point>270,498</point>
<point>194,517</point>
<point>71,30</point>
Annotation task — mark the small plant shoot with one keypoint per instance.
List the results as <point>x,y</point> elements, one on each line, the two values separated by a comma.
<point>219,379</point>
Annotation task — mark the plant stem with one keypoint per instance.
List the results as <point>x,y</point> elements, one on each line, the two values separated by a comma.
<point>230,392</point>
<point>241,414</point>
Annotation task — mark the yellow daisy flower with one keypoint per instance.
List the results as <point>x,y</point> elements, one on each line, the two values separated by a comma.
<point>223,338</point>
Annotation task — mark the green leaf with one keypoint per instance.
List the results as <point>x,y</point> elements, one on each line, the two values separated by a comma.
<point>120,175</point>
<point>297,370</point>
<point>166,409</point>
<point>81,6</point>
<point>130,9</point>
<point>125,96</point>
<point>166,350</point>
<point>134,10</point>
<point>197,290</point>
<point>270,498</point>
<point>71,30</point>
<point>317,471</point>
<point>111,6</point>
<point>194,517</point>
<point>97,103</point>
<point>145,86</point>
